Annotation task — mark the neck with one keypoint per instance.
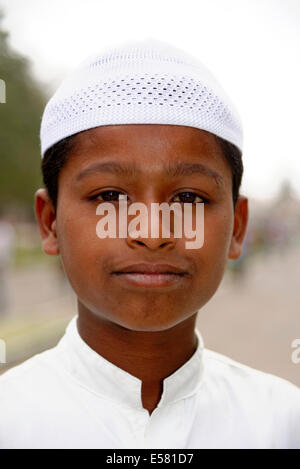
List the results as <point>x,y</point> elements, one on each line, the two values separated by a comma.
<point>149,356</point>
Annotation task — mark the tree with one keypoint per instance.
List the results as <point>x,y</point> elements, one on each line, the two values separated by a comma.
<point>20,119</point>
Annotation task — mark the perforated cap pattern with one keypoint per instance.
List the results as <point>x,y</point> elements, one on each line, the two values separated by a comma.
<point>145,83</point>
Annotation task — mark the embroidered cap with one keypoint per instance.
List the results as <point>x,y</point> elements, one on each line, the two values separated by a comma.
<point>146,82</point>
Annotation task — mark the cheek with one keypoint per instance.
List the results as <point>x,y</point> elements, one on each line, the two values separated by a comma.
<point>212,257</point>
<point>79,245</point>
<point>218,232</point>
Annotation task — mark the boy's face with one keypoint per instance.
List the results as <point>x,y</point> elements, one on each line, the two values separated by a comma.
<point>89,261</point>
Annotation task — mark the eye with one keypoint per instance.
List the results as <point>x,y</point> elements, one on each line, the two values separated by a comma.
<point>109,196</point>
<point>190,197</point>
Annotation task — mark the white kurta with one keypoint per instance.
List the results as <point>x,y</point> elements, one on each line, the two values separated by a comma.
<point>71,397</point>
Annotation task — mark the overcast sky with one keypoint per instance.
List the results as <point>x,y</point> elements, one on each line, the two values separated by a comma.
<point>251,46</point>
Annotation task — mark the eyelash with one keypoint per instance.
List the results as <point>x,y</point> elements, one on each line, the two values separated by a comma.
<point>95,197</point>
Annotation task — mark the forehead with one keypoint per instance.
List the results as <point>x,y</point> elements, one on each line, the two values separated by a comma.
<point>149,148</point>
<point>142,137</point>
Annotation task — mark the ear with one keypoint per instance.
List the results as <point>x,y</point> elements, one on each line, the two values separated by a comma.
<point>240,225</point>
<point>46,218</point>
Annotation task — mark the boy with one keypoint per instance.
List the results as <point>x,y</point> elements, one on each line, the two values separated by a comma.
<point>146,123</point>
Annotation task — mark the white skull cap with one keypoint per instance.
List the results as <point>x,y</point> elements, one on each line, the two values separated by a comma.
<point>144,82</point>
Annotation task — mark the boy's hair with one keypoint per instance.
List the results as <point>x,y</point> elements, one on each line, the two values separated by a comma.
<point>57,155</point>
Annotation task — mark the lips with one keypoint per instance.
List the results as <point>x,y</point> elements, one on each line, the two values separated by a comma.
<point>146,268</point>
<point>153,276</point>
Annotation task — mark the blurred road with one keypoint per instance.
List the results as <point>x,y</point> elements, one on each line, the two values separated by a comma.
<point>255,320</point>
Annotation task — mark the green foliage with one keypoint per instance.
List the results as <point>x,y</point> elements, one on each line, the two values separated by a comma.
<point>20,119</point>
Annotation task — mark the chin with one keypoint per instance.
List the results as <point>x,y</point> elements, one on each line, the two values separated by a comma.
<point>153,323</point>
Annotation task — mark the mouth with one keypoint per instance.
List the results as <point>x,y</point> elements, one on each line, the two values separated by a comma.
<point>152,275</point>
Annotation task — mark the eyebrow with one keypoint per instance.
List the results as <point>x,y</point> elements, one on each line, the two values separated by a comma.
<point>176,169</point>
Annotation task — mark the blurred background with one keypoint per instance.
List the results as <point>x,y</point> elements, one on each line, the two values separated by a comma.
<point>252,47</point>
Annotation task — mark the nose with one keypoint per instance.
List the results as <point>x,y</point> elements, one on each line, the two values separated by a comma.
<point>150,243</point>
<point>147,229</point>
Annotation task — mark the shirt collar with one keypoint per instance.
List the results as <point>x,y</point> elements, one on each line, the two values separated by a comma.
<point>101,376</point>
